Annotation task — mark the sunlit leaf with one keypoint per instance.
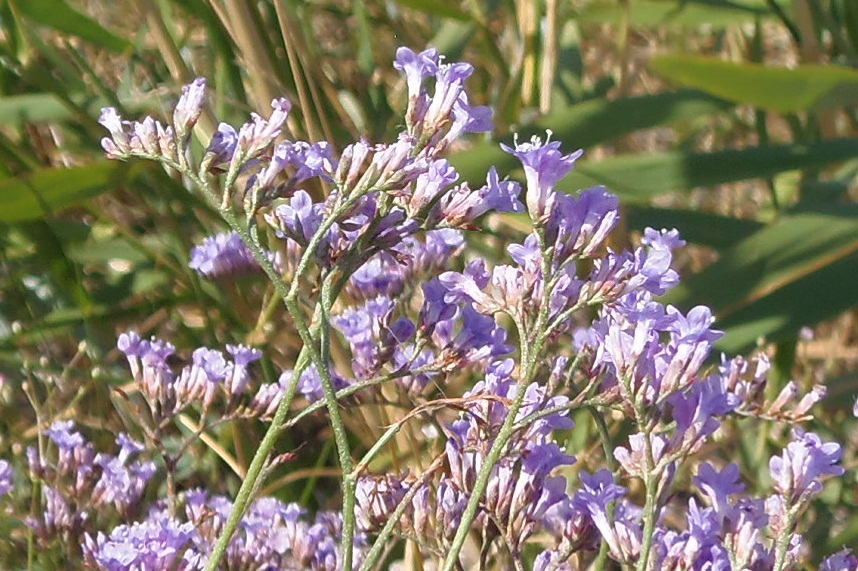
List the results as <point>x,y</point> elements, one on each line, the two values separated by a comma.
<point>779,89</point>
<point>36,194</point>
<point>32,107</point>
<point>794,273</point>
<point>59,16</point>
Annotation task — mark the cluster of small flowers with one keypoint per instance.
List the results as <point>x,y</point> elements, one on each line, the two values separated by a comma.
<point>272,535</point>
<point>82,484</point>
<point>407,316</point>
<point>209,377</point>
<point>225,254</point>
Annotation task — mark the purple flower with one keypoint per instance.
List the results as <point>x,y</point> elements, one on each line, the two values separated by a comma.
<point>843,560</point>
<point>298,219</point>
<point>237,375</point>
<point>429,185</point>
<point>310,383</point>
<point>148,139</point>
<point>258,134</point>
<point>6,479</point>
<point>718,486</point>
<point>62,434</point>
<point>460,206</point>
<point>544,166</point>
<point>622,532</point>
<point>225,254</point>
<point>148,545</point>
<point>189,107</point>
<point>479,338</point>
<point>221,147</point>
<point>416,67</point>
<point>804,461</point>
<point>634,458</point>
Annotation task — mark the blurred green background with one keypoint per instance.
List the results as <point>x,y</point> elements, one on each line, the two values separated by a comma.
<point>734,121</point>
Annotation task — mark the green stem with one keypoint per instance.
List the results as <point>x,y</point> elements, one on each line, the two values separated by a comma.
<point>532,343</point>
<point>349,483</point>
<point>245,492</point>
<point>651,479</point>
<point>782,544</point>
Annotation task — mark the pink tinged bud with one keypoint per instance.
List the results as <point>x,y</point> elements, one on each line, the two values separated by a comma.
<point>786,396</point>
<point>189,107</point>
<point>111,120</point>
<point>352,164</point>
<point>809,400</point>
<point>257,135</point>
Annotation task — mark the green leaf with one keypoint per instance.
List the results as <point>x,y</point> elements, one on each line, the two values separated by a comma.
<point>676,13</point>
<point>592,122</point>
<point>437,8</point>
<point>792,274</point>
<point>39,193</point>
<point>806,87</point>
<point>641,177</point>
<point>706,229</point>
<point>103,252</point>
<point>59,16</point>
<point>15,109</point>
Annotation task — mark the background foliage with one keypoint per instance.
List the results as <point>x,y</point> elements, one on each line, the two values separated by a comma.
<point>734,121</point>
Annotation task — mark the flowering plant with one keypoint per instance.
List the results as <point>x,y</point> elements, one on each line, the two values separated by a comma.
<point>369,253</point>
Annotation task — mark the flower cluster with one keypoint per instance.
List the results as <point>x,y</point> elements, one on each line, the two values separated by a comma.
<point>81,484</point>
<point>272,535</point>
<point>394,318</point>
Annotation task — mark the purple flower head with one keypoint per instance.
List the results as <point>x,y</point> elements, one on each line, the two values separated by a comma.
<point>436,308</point>
<point>121,484</point>
<point>62,433</point>
<point>479,338</point>
<point>429,185</point>
<point>405,358</point>
<point>393,165</point>
<point>237,376</point>
<point>189,107</point>
<point>211,362</point>
<point>804,461</point>
<point>352,164</point>
<point>158,543</point>
<point>634,458</point>
<point>6,480</point>
<point>149,138</point>
<point>718,486</point>
<point>117,145</point>
<point>380,275</point>
<point>258,134</point>
<point>221,147</point>
<point>579,225</point>
<point>695,412</point>
<point>416,66</point>
<point>664,240</point>
<point>467,118</point>
<point>843,560</point>
<point>460,205</point>
<point>449,85</point>
<point>544,166</point>
<point>307,160</point>
<point>310,384</point>
<point>298,219</point>
<point>622,532</point>
<point>225,254</point>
